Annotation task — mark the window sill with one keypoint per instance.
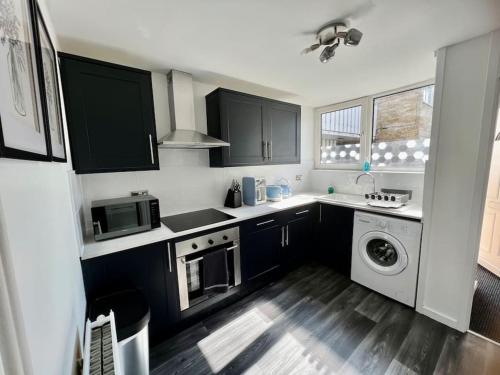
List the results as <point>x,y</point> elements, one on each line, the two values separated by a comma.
<point>374,171</point>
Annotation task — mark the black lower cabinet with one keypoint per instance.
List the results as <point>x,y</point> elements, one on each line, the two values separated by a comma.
<point>299,231</point>
<point>261,244</point>
<point>335,237</point>
<point>148,269</point>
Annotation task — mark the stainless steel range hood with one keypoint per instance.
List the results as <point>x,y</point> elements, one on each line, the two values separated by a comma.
<point>181,105</point>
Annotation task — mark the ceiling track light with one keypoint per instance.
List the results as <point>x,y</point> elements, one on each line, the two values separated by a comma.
<point>330,36</point>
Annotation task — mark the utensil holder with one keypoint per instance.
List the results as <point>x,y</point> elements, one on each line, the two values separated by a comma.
<point>233,199</point>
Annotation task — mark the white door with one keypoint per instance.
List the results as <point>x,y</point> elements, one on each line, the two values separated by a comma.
<point>489,248</point>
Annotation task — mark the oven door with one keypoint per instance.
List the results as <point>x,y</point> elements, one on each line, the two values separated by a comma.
<point>191,271</point>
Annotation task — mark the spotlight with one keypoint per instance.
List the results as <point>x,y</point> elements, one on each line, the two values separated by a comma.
<point>353,37</point>
<point>328,52</point>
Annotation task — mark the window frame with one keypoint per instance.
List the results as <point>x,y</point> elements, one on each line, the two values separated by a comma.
<point>367,104</point>
<point>364,103</point>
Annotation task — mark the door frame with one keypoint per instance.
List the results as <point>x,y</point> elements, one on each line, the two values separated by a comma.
<point>15,357</point>
<point>486,128</point>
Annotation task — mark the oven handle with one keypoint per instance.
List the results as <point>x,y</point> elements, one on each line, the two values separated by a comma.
<point>200,258</point>
<point>183,259</point>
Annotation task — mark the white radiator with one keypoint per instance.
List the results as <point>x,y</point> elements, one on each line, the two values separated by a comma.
<point>101,353</point>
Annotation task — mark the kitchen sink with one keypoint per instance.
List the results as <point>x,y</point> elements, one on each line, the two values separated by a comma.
<point>345,198</point>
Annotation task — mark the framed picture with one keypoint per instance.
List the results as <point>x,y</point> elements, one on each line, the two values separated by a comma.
<point>50,88</point>
<point>23,133</point>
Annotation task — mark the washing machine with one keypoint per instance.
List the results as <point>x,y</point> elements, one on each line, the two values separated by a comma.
<point>385,255</point>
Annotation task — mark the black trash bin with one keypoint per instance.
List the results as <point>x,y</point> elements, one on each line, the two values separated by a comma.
<point>132,315</point>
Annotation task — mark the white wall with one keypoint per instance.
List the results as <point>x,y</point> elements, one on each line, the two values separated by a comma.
<point>461,141</point>
<point>39,237</point>
<point>185,181</point>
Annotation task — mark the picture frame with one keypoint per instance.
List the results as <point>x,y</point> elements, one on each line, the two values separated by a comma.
<point>49,85</point>
<point>23,130</point>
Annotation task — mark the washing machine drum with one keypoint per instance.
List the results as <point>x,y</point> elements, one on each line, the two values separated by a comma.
<point>383,253</point>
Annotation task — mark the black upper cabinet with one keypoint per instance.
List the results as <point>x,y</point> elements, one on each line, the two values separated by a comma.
<point>110,114</point>
<point>283,129</point>
<point>260,131</point>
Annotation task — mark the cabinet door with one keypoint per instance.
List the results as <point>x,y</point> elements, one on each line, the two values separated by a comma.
<point>242,121</point>
<point>260,250</point>
<point>335,248</point>
<point>110,116</point>
<point>283,129</point>
<point>298,237</point>
<point>142,268</point>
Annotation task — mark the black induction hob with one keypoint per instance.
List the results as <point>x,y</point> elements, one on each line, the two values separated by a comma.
<point>195,219</point>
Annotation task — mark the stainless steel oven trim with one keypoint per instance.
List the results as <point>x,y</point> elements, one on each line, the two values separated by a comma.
<point>182,281</point>
<point>184,248</point>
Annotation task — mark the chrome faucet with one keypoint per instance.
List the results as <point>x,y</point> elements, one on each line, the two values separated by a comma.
<point>367,174</point>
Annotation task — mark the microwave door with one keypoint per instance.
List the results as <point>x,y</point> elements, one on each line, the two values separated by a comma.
<point>122,217</point>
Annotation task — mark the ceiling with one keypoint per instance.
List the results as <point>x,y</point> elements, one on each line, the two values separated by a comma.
<point>259,41</point>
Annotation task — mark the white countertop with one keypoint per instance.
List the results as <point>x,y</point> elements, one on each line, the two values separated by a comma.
<point>94,248</point>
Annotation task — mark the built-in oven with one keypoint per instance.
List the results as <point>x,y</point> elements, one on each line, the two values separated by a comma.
<point>207,266</point>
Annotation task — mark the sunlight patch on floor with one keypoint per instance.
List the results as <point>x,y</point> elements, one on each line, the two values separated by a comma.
<point>286,356</point>
<point>225,344</point>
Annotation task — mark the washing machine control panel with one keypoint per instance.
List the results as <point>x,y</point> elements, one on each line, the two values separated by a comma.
<point>396,228</point>
<point>381,224</point>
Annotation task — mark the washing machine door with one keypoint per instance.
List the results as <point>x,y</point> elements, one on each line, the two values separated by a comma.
<point>383,253</point>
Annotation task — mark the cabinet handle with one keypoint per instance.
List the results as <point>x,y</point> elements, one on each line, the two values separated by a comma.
<point>320,214</point>
<point>282,236</point>
<point>169,258</point>
<point>151,149</point>
<point>265,150</point>
<point>302,212</point>
<point>287,235</point>
<point>270,149</point>
<point>265,222</point>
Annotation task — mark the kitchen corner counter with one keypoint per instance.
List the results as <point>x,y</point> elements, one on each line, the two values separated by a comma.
<point>410,211</point>
<point>92,248</point>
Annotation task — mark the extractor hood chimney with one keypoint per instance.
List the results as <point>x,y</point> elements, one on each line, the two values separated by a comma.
<point>181,105</point>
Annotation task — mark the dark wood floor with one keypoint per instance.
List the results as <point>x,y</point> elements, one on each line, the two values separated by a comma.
<point>315,321</point>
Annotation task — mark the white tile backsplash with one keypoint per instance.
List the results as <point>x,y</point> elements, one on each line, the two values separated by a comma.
<point>185,182</point>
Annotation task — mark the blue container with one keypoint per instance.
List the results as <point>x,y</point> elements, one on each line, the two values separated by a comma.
<point>274,193</point>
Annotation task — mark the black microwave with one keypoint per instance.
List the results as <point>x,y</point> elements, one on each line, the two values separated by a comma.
<point>119,217</point>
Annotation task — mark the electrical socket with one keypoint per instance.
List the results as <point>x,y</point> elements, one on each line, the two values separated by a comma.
<point>298,177</point>
<point>139,192</point>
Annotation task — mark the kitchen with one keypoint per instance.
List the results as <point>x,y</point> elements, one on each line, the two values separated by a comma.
<point>270,218</point>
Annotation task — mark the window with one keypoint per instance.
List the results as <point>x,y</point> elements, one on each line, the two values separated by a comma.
<point>397,126</point>
<point>402,129</point>
<point>341,128</point>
